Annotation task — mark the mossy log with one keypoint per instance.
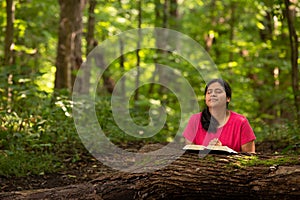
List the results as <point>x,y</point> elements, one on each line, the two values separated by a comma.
<point>239,176</point>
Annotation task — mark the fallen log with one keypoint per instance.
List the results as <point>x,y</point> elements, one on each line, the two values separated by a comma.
<point>188,177</point>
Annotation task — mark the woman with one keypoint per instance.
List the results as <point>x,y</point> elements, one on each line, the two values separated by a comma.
<point>216,125</point>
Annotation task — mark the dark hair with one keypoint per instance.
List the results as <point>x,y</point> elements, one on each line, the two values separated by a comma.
<point>207,120</point>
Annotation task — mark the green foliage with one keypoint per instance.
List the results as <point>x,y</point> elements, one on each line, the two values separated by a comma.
<point>38,132</point>
<point>19,163</point>
<point>140,116</point>
<point>250,42</point>
<point>36,129</point>
<point>284,136</point>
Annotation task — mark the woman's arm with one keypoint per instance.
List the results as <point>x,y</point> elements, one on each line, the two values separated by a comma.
<point>188,142</point>
<point>249,147</point>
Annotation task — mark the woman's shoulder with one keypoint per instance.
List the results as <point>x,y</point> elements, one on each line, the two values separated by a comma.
<point>196,116</point>
<point>237,116</point>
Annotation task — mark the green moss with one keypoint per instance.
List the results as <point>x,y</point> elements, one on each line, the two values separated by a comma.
<point>247,161</point>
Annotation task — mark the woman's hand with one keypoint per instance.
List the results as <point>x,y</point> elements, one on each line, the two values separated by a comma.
<point>215,142</point>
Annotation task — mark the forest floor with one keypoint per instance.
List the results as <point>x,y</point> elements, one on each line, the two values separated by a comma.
<point>82,171</point>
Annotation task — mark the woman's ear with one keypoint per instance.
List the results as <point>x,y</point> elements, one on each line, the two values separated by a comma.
<point>228,100</point>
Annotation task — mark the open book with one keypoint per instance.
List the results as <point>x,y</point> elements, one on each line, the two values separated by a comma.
<point>209,149</point>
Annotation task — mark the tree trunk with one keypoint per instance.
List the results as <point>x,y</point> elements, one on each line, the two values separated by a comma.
<point>90,38</point>
<point>161,42</point>
<point>108,81</point>
<point>210,37</point>
<point>173,24</point>
<point>69,55</point>
<point>138,58</point>
<point>291,14</point>
<point>122,60</point>
<point>91,44</point>
<point>188,177</point>
<point>122,67</point>
<point>232,28</point>
<point>8,47</point>
<point>157,23</point>
<point>9,33</point>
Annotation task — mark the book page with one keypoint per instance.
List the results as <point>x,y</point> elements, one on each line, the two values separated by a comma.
<point>194,147</point>
<point>210,147</point>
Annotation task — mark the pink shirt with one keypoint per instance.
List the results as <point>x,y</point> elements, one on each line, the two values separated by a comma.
<point>236,132</point>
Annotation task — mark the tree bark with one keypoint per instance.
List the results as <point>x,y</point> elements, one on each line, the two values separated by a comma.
<point>232,28</point>
<point>157,23</point>
<point>108,81</point>
<point>291,14</point>
<point>173,15</point>
<point>69,55</point>
<point>9,33</point>
<point>91,44</point>
<point>122,67</point>
<point>8,47</point>
<point>90,38</point>
<point>161,42</point>
<point>188,177</point>
<point>122,60</point>
<point>138,58</point>
<point>210,37</point>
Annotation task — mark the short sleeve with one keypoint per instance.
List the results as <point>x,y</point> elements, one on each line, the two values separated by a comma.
<point>247,134</point>
<point>190,130</point>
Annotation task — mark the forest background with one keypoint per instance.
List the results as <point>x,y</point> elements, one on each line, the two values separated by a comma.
<point>254,44</point>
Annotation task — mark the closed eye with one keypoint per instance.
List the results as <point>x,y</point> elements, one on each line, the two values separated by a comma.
<point>218,91</point>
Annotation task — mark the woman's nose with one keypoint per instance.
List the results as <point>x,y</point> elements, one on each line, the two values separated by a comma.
<point>213,94</point>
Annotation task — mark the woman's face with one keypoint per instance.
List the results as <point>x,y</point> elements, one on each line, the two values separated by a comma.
<point>216,96</point>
